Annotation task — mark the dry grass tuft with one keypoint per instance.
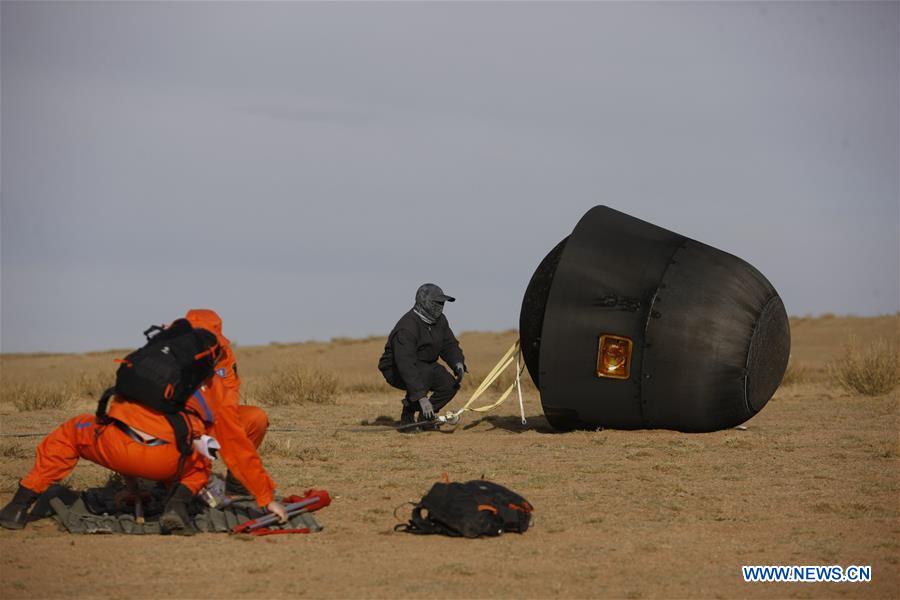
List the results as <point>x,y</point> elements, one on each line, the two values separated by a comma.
<point>93,384</point>
<point>276,447</point>
<point>292,386</point>
<point>366,386</point>
<point>26,397</point>
<point>13,450</point>
<point>795,373</point>
<point>871,371</point>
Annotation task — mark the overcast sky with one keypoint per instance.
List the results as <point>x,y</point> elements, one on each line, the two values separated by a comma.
<point>302,168</point>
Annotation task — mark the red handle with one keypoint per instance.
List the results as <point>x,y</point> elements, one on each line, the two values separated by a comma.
<point>311,501</point>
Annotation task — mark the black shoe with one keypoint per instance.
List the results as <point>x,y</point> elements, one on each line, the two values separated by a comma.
<point>15,514</point>
<point>408,420</point>
<point>176,518</point>
<point>408,415</point>
<point>233,487</point>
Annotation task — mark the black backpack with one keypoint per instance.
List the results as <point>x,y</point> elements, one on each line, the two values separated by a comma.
<point>472,509</point>
<point>163,373</point>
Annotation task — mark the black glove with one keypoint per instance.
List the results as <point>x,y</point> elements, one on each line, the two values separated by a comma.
<point>460,373</point>
<point>427,409</point>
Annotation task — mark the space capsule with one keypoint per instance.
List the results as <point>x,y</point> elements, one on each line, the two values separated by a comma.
<point>627,325</point>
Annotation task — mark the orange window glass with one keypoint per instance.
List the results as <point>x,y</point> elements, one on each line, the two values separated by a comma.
<point>614,357</point>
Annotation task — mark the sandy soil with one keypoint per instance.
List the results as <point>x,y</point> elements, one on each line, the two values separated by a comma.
<point>814,480</point>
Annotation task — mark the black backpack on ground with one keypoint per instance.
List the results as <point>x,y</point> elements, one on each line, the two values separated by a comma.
<point>163,373</point>
<point>472,509</point>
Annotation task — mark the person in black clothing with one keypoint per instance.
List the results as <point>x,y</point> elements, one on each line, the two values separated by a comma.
<point>409,362</point>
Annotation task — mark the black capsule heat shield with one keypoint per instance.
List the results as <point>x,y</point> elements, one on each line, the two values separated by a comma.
<point>710,334</point>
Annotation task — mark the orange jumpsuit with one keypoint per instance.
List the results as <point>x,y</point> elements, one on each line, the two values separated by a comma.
<point>238,429</point>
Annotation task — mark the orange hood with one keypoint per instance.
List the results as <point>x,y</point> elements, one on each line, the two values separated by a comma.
<point>209,320</point>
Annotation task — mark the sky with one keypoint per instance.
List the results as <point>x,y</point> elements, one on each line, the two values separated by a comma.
<point>303,167</point>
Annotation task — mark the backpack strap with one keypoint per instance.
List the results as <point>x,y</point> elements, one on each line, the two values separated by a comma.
<point>424,525</point>
<point>417,523</point>
<point>100,414</point>
<point>183,433</point>
<point>178,421</point>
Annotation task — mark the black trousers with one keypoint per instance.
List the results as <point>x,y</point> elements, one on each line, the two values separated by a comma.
<point>440,382</point>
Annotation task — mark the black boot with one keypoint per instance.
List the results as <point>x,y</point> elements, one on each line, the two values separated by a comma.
<point>408,415</point>
<point>408,418</point>
<point>15,514</point>
<point>176,518</point>
<point>233,487</point>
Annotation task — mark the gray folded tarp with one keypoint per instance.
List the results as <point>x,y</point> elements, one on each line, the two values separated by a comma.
<point>76,518</point>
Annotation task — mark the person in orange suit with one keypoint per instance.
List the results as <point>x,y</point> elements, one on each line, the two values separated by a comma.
<point>253,419</point>
<point>140,442</point>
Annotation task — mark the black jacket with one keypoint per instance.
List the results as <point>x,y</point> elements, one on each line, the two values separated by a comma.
<point>414,341</point>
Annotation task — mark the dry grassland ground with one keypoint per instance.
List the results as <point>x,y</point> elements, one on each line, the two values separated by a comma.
<point>813,480</point>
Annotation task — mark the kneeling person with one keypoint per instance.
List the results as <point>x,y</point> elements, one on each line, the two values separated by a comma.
<point>137,441</point>
<point>413,347</point>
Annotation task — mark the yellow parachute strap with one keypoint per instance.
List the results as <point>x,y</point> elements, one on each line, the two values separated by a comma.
<point>512,356</point>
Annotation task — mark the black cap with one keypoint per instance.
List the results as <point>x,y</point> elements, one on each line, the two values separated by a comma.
<point>430,291</point>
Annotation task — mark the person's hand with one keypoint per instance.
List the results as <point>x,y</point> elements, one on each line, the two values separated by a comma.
<point>277,509</point>
<point>460,373</point>
<point>427,409</point>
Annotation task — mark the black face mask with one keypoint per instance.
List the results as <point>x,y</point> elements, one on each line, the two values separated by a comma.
<point>429,309</point>
<point>430,302</point>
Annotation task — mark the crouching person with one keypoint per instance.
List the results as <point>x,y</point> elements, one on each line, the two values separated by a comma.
<point>411,353</point>
<point>135,440</point>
